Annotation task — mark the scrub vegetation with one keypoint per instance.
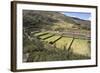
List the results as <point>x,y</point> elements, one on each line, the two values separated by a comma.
<point>53,36</point>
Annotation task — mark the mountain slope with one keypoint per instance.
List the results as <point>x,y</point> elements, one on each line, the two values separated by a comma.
<point>52,21</point>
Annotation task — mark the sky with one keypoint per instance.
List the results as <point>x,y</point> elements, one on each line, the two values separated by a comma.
<point>81,15</point>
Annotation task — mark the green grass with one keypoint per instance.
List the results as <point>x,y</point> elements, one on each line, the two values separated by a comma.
<point>64,41</point>
<point>40,33</point>
<point>44,36</point>
<point>52,38</point>
<point>35,32</point>
<point>54,54</point>
<point>40,50</point>
<point>81,46</point>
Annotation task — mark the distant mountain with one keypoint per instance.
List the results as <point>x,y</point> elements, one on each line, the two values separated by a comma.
<point>86,24</point>
<point>48,20</point>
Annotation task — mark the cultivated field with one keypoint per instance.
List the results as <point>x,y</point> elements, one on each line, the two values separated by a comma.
<point>47,46</point>
<point>80,46</point>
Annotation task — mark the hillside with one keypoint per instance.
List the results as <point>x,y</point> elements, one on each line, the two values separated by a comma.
<point>53,21</point>
<point>53,36</point>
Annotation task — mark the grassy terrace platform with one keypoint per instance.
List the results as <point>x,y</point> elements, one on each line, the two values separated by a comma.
<point>46,36</point>
<point>64,41</point>
<point>52,38</point>
<point>40,33</point>
<point>79,45</point>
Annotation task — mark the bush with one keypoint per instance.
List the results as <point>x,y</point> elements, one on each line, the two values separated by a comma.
<point>51,53</point>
